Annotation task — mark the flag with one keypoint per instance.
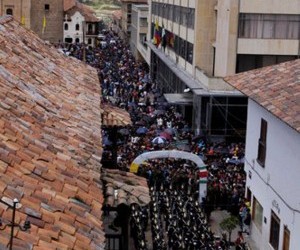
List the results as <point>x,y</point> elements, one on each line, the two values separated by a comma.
<point>170,40</point>
<point>156,38</point>
<point>203,174</point>
<point>164,37</point>
<point>22,20</point>
<point>44,24</point>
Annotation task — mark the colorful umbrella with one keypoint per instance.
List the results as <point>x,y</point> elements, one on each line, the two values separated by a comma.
<point>159,140</point>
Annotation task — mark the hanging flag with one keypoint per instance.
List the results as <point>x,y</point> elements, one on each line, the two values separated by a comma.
<point>164,37</point>
<point>156,38</point>
<point>44,24</point>
<point>170,40</point>
<point>203,174</point>
<point>22,20</point>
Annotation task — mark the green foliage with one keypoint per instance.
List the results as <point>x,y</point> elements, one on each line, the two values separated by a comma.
<point>229,224</point>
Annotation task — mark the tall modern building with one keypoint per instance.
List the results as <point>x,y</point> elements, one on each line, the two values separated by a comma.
<point>44,17</point>
<point>139,30</point>
<point>195,43</point>
<point>126,7</point>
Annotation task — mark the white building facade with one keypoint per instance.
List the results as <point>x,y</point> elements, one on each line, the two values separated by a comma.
<point>73,28</point>
<point>81,25</point>
<point>275,184</point>
<point>272,156</point>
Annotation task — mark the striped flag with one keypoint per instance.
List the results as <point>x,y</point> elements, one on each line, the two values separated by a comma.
<point>203,174</point>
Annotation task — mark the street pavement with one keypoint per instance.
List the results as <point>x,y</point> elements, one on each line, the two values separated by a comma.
<point>217,217</point>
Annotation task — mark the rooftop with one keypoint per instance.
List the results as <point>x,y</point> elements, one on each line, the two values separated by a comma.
<point>114,116</point>
<point>72,6</point>
<point>50,137</point>
<point>276,88</point>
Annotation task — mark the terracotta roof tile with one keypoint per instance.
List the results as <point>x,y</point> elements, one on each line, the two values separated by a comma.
<point>50,143</point>
<point>73,6</point>
<point>130,188</point>
<point>114,116</point>
<point>276,88</point>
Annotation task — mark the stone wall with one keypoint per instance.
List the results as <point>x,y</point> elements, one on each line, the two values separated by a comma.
<point>53,30</point>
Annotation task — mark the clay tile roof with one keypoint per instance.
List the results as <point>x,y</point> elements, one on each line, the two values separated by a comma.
<point>130,188</point>
<point>117,14</point>
<point>83,9</point>
<point>50,144</point>
<point>276,88</point>
<point>69,4</point>
<point>114,116</point>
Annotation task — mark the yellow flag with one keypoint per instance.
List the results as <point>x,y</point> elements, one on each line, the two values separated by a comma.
<point>44,24</point>
<point>23,20</point>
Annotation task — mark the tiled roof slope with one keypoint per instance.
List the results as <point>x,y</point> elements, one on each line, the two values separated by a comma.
<point>130,188</point>
<point>114,116</point>
<point>69,4</point>
<point>50,144</point>
<point>85,10</point>
<point>276,88</point>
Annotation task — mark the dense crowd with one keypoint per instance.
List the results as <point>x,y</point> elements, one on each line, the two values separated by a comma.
<point>179,220</point>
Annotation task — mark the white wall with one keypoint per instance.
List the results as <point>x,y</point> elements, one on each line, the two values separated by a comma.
<point>278,181</point>
<point>72,32</point>
<point>268,46</point>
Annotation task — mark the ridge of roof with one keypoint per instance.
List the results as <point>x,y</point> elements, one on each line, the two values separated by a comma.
<point>50,143</point>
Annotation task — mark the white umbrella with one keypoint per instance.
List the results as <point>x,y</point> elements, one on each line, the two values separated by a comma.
<point>159,140</point>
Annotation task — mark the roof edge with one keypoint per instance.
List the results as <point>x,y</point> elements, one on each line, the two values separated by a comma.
<point>6,19</point>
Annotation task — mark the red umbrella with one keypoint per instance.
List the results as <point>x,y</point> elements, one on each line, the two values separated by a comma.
<point>166,135</point>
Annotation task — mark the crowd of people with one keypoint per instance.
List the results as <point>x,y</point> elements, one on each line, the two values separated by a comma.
<point>179,220</point>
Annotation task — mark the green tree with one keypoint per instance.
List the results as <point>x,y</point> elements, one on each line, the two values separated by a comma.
<point>229,224</point>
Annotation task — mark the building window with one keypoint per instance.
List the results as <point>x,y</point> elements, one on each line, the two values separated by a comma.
<point>47,7</point>
<point>68,40</point>
<point>257,214</point>
<point>90,28</point>
<point>286,239</point>
<point>89,41</point>
<point>269,26</point>
<point>77,26</point>
<point>262,143</point>
<point>274,231</point>
<point>9,11</point>
<point>77,40</point>
<point>249,62</point>
<point>66,26</point>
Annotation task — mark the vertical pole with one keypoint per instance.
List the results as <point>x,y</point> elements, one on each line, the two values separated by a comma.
<point>13,224</point>
<point>83,38</point>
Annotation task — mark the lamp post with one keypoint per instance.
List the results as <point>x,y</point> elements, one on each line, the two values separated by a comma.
<point>12,223</point>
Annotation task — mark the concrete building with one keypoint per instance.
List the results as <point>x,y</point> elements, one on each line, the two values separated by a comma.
<point>126,9</point>
<point>44,17</point>
<point>201,41</point>
<point>80,23</point>
<point>139,29</point>
<point>273,153</point>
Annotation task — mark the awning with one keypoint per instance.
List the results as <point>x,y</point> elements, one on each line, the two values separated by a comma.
<point>179,98</point>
